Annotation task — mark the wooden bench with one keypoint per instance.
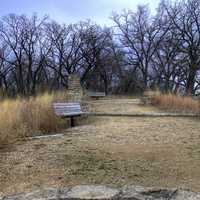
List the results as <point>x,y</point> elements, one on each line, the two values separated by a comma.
<point>96,95</point>
<point>68,110</point>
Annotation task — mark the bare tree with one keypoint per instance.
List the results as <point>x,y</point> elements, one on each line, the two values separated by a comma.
<point>65,54</point>
<point>21,36</point>
<point>139,35</point>
<point>95,51</point>
<point>185,17</point>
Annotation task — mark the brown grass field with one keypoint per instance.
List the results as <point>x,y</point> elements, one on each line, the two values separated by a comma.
<point>107,150</point>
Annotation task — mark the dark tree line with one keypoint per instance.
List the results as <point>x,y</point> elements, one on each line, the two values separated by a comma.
<point>140,51</point>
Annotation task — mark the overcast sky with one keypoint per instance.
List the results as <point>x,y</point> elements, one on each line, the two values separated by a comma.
<point>71,11</point>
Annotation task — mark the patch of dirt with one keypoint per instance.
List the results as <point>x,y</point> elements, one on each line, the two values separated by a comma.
<point>113,151</point>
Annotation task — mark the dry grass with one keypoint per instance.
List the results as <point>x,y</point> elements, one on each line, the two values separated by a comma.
<point>176,103</point>
<point>26,117</point>
<point>115,151</point>
<point>126,106</point>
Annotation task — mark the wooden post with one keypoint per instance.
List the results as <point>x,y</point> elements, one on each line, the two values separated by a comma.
<point>72,122</point>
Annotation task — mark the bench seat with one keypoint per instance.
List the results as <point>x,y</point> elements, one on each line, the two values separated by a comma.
<point>65,115</point>
<point>96,94</point>
<point>68,110</point>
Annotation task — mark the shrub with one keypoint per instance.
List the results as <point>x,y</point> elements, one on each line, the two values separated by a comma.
<point>176,103</point>
<point>27,117</point>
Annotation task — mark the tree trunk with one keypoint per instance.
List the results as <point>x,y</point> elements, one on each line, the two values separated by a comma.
<point>191,81</point>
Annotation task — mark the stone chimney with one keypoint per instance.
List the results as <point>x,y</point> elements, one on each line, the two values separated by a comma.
<point>74,88</point>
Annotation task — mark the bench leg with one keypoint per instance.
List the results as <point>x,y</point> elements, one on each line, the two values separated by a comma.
<point>72,122</point>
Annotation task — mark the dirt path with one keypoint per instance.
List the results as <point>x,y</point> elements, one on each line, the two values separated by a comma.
<point>105,150</point>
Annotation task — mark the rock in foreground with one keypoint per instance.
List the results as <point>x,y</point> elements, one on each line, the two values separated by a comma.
<point>98,192</point>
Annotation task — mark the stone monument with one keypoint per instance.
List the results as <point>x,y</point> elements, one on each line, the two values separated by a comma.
<point>74,88</point>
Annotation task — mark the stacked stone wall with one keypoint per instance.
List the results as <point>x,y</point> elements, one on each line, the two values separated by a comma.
<point>74,88</point>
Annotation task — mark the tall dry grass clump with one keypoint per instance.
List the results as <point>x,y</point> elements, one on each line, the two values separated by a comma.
<point>176,103</point>
<point>27,117</point>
